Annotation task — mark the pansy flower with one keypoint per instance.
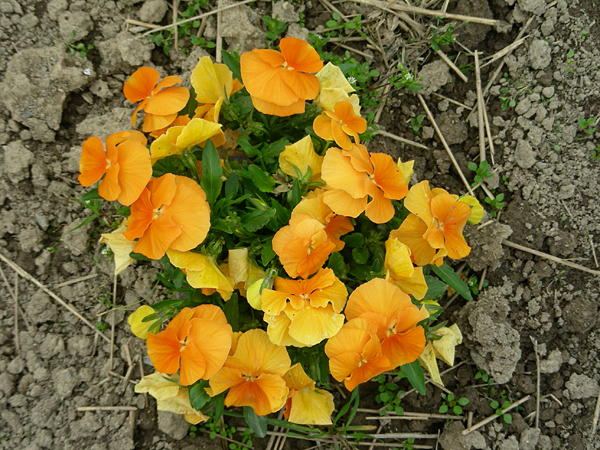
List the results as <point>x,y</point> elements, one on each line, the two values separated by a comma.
<point>302,156</point>
<point>401,271</point>
<point>335,225</point>
<point>196,343</point>
<point>254,374</point>
<point>302,246</point>
<point>383,303</point>
<point>355,354</point>
<point>280,82</point>
<point>180,121</point>
<point>241,270</point>
<point>162,217</point>
<point>125,164</point>
<point>136,322</point>
<point>334,88</point>
<point>306,404</point>
<point>302,313</point>
<point>202,272</point>
<point>160,101</point>
<point>353,177</point>
<point>339,124</point>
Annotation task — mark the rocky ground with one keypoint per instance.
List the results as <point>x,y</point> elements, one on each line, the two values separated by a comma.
<point>545,163</point>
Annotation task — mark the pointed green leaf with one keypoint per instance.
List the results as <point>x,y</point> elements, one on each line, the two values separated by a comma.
<point>258,424</point>
<point>261,180</point>
<point>415,376</point>
<point>211,172</point>
<point>449,276</point>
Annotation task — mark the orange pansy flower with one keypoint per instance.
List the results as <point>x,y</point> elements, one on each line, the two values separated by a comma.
<point>126,164</point>
<point>400,270</point>
<point>196,343</point>
<point>172,212</point>
<point>383,303</point>
<point>340,123</point>
<point>280,82</point>
<point>354,176</point>
<point>254,374</point>
<point>411,234</point>
<point>302,246</point>
<point>304,312</point>
<point>444,216</point>
<point>160,101</point>
<point>180,121</point>
<point>335,225</point>
<point>355,354</point>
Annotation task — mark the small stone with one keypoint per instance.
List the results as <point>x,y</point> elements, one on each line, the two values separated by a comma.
<point>529,438</point>
<point>40,309</point>
<point>434,75</point>
<point>65,381</point>
<point>153,11</point>
<point>284,12</point>
<point>581,386</point>
<point>174,425</point>
<point>7,384</point>
<point>17,160</point>
<point>16,366</point>
<point>524,154</point>
<point>548,92</point>
<point>74,26</point>
<point>509,444</point>
<point>540,54</point>
<point>523,106</point>
<point>566,191</point>
<point>533,6</point>
<point>552,363</point>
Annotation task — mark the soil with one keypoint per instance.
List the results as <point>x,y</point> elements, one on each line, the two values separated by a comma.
<point>544,163</point>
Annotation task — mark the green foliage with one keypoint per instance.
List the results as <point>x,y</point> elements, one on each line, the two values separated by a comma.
<point>482,171</point>
<point>447,274</point>
<point>473,284</point>
<point>507,100</point>
<point>586,125</point>
<point>443,36</point>
<point>405,79</point>
<point>417,123</point>
<point>389,395</point>
<point>452,404</point>
<point>495,203</point>
<point>274,28</point>
<point>415,376</point>
<point>569,61</point>
<point>81,49</point>
<point>596,153</point>
<point>499,409</point>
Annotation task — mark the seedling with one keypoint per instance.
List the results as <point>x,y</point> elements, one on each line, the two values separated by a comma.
<point>495,203</point>
<point>585,125</point>
<point>481,172</point>
<point>507,100</point>
<point>445,38</point>
<point>499,408</point>
<point>405,79</point>
<point>584,34</point>
<point>275,28</point>
<point>417,123</point>
<point>473,284</point>
<point>596,153</point>
<point>335,24</point>
<point>389,395</point>
<point>452,404</point>
<point>570,61</point>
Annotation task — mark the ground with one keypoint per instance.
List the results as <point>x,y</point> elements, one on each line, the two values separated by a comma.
<point>543,109</point>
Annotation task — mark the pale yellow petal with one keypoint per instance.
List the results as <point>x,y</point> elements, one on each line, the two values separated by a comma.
<point>313,325</point>
<point>311,407</point>
<point>278,330</point>
<point>120,246</point>
<point>165,145</point>
<point>253,293</point>
<point>197,132</point>
<point>397,259</point>
<point>476,209</point>
<point>406,169</point>
<point>331,76</point>
<point>444,347</point>
<point>296,378</point>
<point>158,386</point>
<point>138,327</point>
<point>415,285</point>
<point>427,360</point>
<point>302,155</point>
<point>238,265</point>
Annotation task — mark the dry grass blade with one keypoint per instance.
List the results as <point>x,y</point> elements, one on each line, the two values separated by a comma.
<point>428,12</point>
<point>550,257</point>
<point>175,28</point>
<point>480,107</point>
<point>505,51</point>
<point>106,408</point>
<point>76,313</point>
<point>456,70</point>
<point>401,139</point>
<point>77,280</point>
<point>537,392</point>
<point>445,144</point>
<point>141,24</point>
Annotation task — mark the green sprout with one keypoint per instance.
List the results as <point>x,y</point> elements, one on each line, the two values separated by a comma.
<point>453,404</point>
<point>482,171</point>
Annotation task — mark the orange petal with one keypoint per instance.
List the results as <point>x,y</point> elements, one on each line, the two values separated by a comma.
<point>209,312</point>
<point>225,378</point>
<point>92,164</point>
<point>163,190</point>
<point>360,158</point>
<point>142,212</point>
<point>415,285</point>
<point>256,354</point>
<point>195,222</point>
<point>388,177</point>
<point>454,215</point>
<point>337,171</point>
<point>109,188</point>
<point>273,302</point>
<point>168,101</point>
<point>322,127</point>
<point>312,325</point>
<point>167,82</point>
<point>345,111</point>
<point>140,84</point>
<point>417,202</point>
<point>336,227</point>
<point>379,209</point>
<point>273,109</point>
<point>264,81</point>
<point>343,203</point>
<point>299,55</point>
<point>135,171</point>
<point>411,234</point>
<point>339,136</point>
<point>265,394</point>
<point>404,348</point>
<point>315,259</point>
<point>154,122</point>
<point>304,85</point>
<point>161,232</point>
<point>163,350</point>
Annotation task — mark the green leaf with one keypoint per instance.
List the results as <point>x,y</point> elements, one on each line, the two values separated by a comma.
<point>261,180</point>
<point>507,418</point>
<point>232,185</point>
<point>415,376</point>
<point>248,149</point>
<point>211,172</point>
<point>232,61</point>
<point>258,424</point>
<point>347,406</point>
<point>267,253</point>
<point>448,275</point>
<point>435,288</point>
<point>232,312</point>
<point>443,409</point>
<point>258,219</point>
<point>463,401</point>
<point>354,240</point>
<point>91,195</point>
<point>190,108</point>
<point>360,255</point>
<point>494,404</point>
<point>336,263</point>
<point>457,410</point>
<point>198,396</point>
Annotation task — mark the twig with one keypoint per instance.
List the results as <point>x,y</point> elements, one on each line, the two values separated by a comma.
<point>384,95</point>
<point>112,326</point>
<point>469,419</point>
<point>201,16</point>
<point>234,441</point>
<point>352,49</point>
<point>480,106</point>
<point>415,417</point>
<point>596,415</point>
<point>329,6</point>
<point>593,250</point>
<point>219,39</point>
<point>428,12</point>
<point>537,392</point>
<point>445,144</point>
<point>16,314</point>
<point>567,209</point>
<point>401,139</point>
<point>458,72</point>
<point>175,28</point>
<point>445,6</point>
<point>77,280</point>
<point>141,24</point>
<point>115,374</point>
<point>106,408</point>
<point>462,105</point>
<point>495,416</point>
<point>140,359</point>
<point>482,280</point>
<point>550,257</point>
<point>273,438</point>
<point>505,51</point>
<point>553,398</point>
<point>202,27</point>
<point>129,368</point>
<point>26,275</point>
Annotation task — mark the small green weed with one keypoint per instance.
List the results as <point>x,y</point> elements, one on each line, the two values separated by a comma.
<point>101,325</point>
<point>499,408</point>
<point>405,79</point>
<point>570,62</point>
<point>453,404</point>
<point>214,428</point>
<point>586,125</point>
<point>507,100</point>
<point>596,153</point>
<point>336,24</point>
<point>81,49</point>
<point>389,395</point>
<point>495,203</point>
<point>417,123</point>
<point>584,34</point>
<point>443,36</point>
<point>473,284</point>
<point>482,171</point>
<point>275,28</point>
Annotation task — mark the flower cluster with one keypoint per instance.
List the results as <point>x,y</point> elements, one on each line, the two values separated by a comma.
<point>266,211</point>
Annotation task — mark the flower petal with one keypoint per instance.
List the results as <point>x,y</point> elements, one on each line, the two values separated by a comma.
<point>299,55</point>
<point>135,171</point>
<point>267,107</point>
<point>157,238</point>
<point>92,164</point>
<point>312,325</point>
<point>311,407</point>
<point>140,84</point>
<point>164,351</point>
